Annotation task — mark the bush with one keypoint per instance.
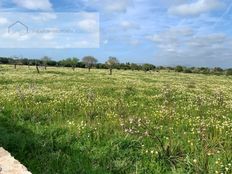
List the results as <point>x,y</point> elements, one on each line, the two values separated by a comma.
<point>179,69</point>
<point>217,71</point>
<point>187,70</point>
<point>229,72</point>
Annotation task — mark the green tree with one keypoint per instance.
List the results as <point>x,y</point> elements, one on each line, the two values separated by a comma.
<point>74,62</point>
<point>70,62</point>
<point>112,62</point>
<point>89,61</point>
<point>45,60</point>
<point>217,71</point>
<point>229,72</point>
<point>134,67</point>
<point>148,67</point>
<point>187,70</point>
<point>15,60</point>
<point>179,68</point>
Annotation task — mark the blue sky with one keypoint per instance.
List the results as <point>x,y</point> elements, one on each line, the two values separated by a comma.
<point>162,32</point>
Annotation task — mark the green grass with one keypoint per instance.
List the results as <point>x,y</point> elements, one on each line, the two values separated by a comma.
<point>64,121</point>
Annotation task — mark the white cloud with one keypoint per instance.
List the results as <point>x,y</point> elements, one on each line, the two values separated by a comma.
<point>126,25</point>
<point>171,35</point>
<point>110,5</point>
<point>118,6</point>
<point>34,4</point>
<point>88,25</point>
<point>105,42</point>
<point>44,16</point>
<point>183,46</point>
<point>3,21</point>
<point>49,36</point>
<point>61,32</point>
<point>196,8</point>
<point>15,36</point>
<point>135,42</point>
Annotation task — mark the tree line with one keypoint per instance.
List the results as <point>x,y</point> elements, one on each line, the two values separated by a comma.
<point>90,62</point>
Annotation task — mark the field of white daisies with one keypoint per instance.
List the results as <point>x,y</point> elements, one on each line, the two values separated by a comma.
<point>73,122</point>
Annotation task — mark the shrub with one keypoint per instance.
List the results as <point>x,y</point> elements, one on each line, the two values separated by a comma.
<point>229,72</point>
<point>187,70</point>
<point>179,69</point>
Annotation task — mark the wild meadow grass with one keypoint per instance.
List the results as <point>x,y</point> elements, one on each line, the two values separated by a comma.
<point>74,122</point>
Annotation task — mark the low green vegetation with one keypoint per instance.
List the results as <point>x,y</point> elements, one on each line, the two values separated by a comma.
<point>111,63</point>
<point>131,122</point>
